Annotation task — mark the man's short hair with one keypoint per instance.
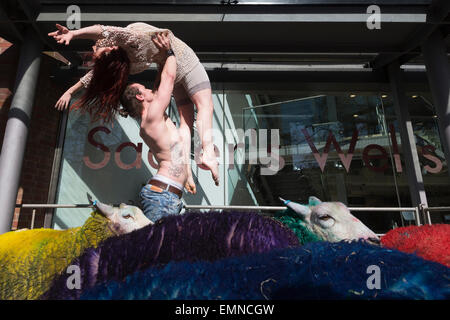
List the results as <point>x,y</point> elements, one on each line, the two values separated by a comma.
<point>131,105</point>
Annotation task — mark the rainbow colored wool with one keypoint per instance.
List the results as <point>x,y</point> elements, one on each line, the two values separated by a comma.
<point>431,242</point>
<point>291,220</point>
<point>31,259</point>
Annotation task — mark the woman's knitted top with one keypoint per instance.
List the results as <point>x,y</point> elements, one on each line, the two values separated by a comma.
<point>136,40</point>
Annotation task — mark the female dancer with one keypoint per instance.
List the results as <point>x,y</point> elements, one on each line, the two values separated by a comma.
<point>119,52</point>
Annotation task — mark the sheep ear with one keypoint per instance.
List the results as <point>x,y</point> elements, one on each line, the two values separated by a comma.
<point>122,205</point>
<point>105,209</point>
<point>89,198</point>
<point>313,201</point>
<point>301,210</point>
<point>284,201</point>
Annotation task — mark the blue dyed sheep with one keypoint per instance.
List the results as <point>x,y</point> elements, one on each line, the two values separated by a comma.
<point>191,237</point>
<point>320,270</point>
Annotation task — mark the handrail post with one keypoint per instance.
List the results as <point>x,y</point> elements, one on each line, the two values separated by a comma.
<point>33,216</point>
<point>425,213</point>
<point>417,216</point>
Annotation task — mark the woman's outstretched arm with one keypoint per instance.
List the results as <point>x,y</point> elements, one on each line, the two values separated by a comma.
<point>64,35</point>
<point>64,101</point>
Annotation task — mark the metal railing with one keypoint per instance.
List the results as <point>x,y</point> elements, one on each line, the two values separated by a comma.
<point>425,211</point>
<point>415,210</point>
<point>187,207</point>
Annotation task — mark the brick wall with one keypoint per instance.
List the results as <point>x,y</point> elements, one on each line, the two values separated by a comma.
<point>8,66</point>
<point>42,135</point>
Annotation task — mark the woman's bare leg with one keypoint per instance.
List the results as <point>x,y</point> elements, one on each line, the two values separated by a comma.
<point>186,112</point>
<point>205,108</point>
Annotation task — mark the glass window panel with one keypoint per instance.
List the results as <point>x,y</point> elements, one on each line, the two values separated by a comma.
<point>316,135</point>
<point>431,156</point>
<point>108,161</point>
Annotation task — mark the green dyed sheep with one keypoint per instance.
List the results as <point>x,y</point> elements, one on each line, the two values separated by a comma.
<point>324,221</point>
<point>31,259</point>
<point>289,218</point>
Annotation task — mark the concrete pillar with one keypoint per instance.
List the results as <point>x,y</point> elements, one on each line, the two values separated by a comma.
<point>413,170</point>
<point>16,132</point>
<point>438,71</point>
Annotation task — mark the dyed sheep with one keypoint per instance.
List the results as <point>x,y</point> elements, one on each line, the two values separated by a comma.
<point>292,220</point>
<point>319,270</point>
<point>31,259</point>
<point>190,237</point>
<point>431,242</point>
<point>327,221</point>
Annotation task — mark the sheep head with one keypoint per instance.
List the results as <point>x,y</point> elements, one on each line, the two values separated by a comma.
<point>332,221</point>
<point>124,218</point>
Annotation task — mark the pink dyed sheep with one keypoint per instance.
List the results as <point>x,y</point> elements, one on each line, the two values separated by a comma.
<point>431,242</point>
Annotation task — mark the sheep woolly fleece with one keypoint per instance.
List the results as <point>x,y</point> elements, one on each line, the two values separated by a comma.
<point>31,259</point>
<point>429,242</point>
<point>189,237</point>
<point>319,270</point>
<point>292,220</point>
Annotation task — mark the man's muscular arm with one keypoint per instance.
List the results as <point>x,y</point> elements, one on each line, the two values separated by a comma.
<point>167,82</point>
<point>168,73</point>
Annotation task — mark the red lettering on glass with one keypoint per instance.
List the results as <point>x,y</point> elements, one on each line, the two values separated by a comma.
<point>321,159</point>
<point>367,157</point>
<point>151,161</point>
<point>100,146</point>
<point>427,152</point>
<point>136,163</point>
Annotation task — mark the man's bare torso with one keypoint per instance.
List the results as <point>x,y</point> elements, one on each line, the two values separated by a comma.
<point>166,145</point>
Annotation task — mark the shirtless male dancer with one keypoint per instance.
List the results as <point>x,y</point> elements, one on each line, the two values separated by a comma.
<point>162,195</point>
<point>119,52</point>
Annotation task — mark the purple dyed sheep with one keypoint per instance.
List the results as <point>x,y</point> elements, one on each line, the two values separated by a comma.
<point>191,237</point>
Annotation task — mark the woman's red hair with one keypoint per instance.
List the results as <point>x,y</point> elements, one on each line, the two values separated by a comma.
<point>102,96</point>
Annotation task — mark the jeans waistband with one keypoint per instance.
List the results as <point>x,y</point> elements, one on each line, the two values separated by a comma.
<point>167,181</point>
<point>158,186</point>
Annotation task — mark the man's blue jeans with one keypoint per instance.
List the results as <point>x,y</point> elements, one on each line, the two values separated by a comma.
<point>157,205</point>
